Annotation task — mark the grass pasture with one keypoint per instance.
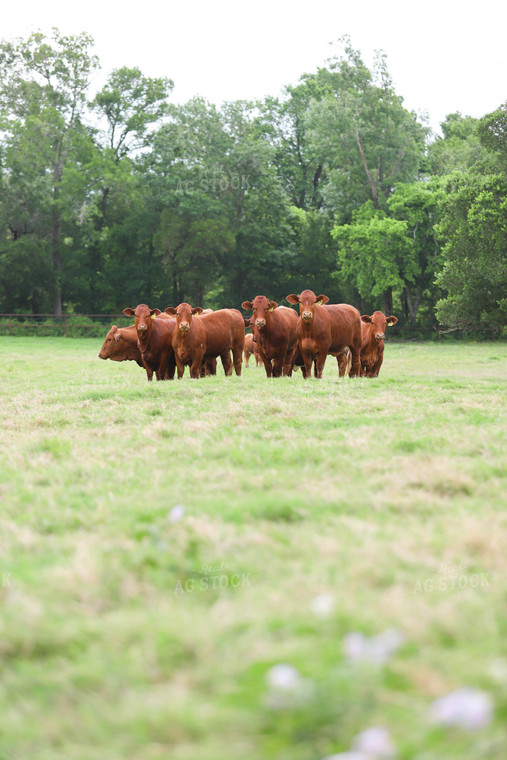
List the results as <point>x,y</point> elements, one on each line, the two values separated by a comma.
<point>312,510</point>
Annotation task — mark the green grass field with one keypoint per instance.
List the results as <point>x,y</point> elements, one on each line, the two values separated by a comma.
<point>127,633</point>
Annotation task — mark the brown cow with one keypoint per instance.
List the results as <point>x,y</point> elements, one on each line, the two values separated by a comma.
<point>373,330</point>
<point>199,337</point>
<point>326,329</point>
<point>120,345</point>
<point>250,348</point>
<point>275,331</point>
<point>154,340</point>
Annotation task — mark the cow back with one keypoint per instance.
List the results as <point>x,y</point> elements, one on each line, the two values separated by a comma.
<point>345,325</point>
<point>224,329</point>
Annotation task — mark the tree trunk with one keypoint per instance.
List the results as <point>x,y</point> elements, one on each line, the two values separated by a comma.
<point>414,301</point>
<point>388,302</point>
<point>57,261</point>
<point>57,231</point>
<point>368,173</point>
<point>316,179</point>
<point>175,287</point>
<point>404,304</point>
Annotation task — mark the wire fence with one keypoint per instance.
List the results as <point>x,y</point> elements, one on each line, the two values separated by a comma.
<point>68,325</point>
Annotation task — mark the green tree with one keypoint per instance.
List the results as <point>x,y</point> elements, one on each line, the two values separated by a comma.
<point>211,172</point>
<point>376,255</point>
<point>300,163</point>
<point>127,105</point>
<point>369,140</point>
<point>43,98</point>
<point>418,205</point>
<point>492,132</point>
<point>459,149</point>
<point>474,235</point>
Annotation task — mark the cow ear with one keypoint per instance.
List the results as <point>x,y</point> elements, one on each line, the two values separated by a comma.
<point>197,310</point>
<point>155,312</point>
<point>320,300</point>
<point>391,321</point>
<point>272,305</point>
<point>171,311</point>
<point>117,336</point>
<point>129,312</point>
<point>293,298</point>
<point>365,318</point>
<point>247,305</point>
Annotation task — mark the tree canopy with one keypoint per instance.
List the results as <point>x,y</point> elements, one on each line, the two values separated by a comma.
<point>123,196</point>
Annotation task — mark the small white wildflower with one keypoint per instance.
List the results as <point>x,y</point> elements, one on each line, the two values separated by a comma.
<point>355,646</point>
<point>323,605</point>
<point>375,742</point>
<point>376,650</point>
<point>284,677</point>
<point>176,513</point>
<point>467,708</point>
<point>384,645</point>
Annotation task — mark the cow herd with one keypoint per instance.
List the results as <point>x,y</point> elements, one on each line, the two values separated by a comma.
<point>186,336</point>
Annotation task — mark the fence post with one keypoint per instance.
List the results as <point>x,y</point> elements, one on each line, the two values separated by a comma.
<point>66,326</point>
<point>10,325</point>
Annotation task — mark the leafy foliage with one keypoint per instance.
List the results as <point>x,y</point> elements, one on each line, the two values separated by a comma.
<point>475,268</point>
<point>332,185</point>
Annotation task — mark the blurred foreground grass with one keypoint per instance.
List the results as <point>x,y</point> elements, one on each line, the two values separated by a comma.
<point>312,511</point>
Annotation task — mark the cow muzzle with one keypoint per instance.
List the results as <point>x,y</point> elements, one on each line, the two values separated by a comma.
<point>260,323</point>
<point>379,337</point>
<point>184,326</point>
<point>307,315</point>
<point>142,329</point>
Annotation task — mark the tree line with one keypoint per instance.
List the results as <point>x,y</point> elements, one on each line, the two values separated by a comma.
<point>123,197</point>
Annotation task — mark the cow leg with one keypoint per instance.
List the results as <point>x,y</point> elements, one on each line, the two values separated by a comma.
<point>355,369</point>
<point>237,352</point>
<point>162,369</point>
<point>195,370</point>
<point>195,367</point>
<point>319,364</point>
<point>180,365</point>
<point>208,367</point>
<point>376,369</point>
<point>267,366</point>
<point>149,371</point>
<point>288,363</point>
<point>278,367</point>
<point>308,360</point>
<point>226,362</point>
<point>170,370</point>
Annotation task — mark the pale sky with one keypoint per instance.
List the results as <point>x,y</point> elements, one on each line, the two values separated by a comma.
<point>443,55</point>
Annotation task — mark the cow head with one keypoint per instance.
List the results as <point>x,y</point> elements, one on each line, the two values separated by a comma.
<point>308,302</point>
<point>143,318</point>
<point>261,309</point>
<point>110,342</point>
<point>183,313</point>
<point>378,323</point>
